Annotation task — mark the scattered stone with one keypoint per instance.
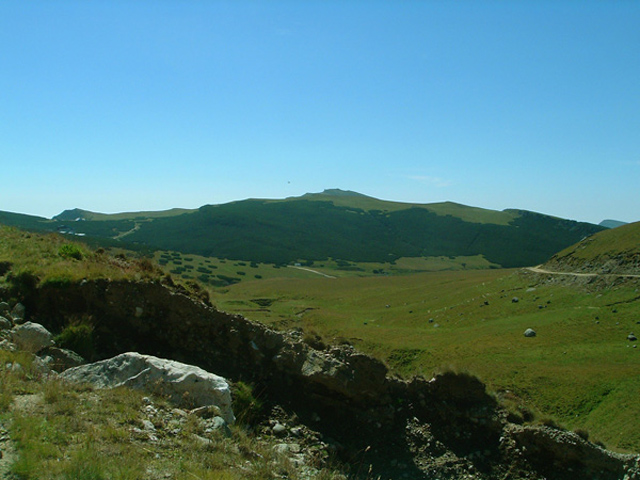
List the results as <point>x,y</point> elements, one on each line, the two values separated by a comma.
<point>18,313</point>
<point>287,448</point>
<point>31,337</point>
<point>206,411</point>
<point>631,337</point>
<point>7,346</point>
<point>4,308</point>
<point>515,300</point>
<point>148,426</point>
<point>179,382</point>
<point>279,429</point>
<point>5,324</point>
<point>530,332</point>
<point>60,359</point>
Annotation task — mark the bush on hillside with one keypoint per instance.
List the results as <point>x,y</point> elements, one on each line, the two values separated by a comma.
<point>247,407</point>
<point>69,250</point>
<point>78,337</point>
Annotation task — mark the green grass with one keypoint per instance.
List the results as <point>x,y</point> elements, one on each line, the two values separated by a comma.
<point>581,373</point>
<point>366,203</point>
<point>70,431</point>
<point>580,369</point>
<point>613,242</point>
<point>51,258</point>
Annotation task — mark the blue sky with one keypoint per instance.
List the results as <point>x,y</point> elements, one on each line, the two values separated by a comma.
<point>134,105</point>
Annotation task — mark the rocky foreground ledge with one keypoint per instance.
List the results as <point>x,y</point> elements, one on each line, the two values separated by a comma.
<point>446,427</point>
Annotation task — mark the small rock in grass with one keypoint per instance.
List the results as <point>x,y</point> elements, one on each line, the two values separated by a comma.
<point>279,429</point>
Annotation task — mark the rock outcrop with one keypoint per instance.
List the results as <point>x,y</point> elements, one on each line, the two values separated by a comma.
<point>447,427</point>
<point>184,385</point>
<point>31,337</point>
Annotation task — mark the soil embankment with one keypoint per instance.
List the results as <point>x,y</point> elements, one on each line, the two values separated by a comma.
<point>447,427</point>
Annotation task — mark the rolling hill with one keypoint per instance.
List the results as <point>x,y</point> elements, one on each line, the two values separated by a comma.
<point>614,251</point>
<point>336,224</point>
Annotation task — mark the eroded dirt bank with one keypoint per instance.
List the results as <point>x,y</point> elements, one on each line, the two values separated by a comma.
<point>447,427</point>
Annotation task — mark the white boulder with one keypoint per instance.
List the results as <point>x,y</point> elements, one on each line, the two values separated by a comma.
<point>184,385</point>
<point>31,337</point>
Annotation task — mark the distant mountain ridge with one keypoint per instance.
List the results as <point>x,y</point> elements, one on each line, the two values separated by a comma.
<point>337,224</point>
<point>78,214</point>
<point>612,223</point>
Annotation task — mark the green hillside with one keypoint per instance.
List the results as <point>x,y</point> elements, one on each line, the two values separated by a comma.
<point>79,214</point>
<point>611,251</point>
<point>342,198</point>
<point>28,222</point>
<point>335,224</point>
<point>303,229</point>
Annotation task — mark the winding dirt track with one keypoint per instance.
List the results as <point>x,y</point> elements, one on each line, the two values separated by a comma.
<point>312,271</point>
<point>539,269</point>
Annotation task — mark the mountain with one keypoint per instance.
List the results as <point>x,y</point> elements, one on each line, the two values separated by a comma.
<point>611,223</point>
<point>615,251</point>
<point>77,214</point>
<point>28,222</point>
<point>337,224</point>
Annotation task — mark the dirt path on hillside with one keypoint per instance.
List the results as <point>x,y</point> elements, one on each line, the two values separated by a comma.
<point>312,271</point>
<point>135,228</point>
<point>539,269</point>
<point>7,453</point>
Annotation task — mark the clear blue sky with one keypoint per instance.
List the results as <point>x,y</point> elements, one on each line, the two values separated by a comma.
<point>135,105</point>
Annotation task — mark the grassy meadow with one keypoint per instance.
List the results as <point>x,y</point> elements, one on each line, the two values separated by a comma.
<point>579,371</point>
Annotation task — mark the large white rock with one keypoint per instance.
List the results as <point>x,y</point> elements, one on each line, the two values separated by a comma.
<point>31,337</point>
<point>183,384</point>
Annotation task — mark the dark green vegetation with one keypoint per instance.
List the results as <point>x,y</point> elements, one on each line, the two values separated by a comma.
<point>343,226</point>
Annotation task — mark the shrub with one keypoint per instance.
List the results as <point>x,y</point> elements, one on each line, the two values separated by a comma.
<point>247,407</point>
<point>4,268</point>
<point>582,433</point>
<point>23,283</point>
<point>78,337</point>
<point>69,250</point>
<point>314,340</point>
